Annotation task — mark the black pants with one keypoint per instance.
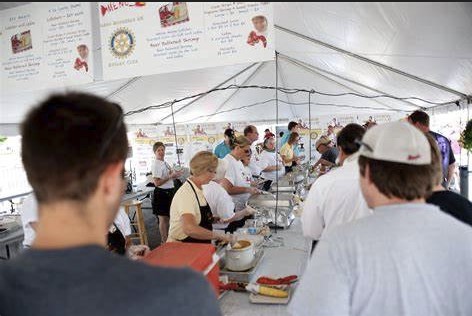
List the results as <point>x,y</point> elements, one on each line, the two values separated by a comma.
<point>161,201</point>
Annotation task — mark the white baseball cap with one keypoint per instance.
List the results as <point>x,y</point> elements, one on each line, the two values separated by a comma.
<point>396,142</point>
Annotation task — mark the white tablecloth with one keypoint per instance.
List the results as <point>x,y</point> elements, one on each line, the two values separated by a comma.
<point>291,258</point>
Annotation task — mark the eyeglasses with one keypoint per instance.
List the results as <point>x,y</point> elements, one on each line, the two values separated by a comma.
<point>109,135</point>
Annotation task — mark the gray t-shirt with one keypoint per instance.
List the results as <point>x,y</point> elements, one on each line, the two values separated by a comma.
<point>408,259</point>
<point>90,281</point>
<point>330,155</point>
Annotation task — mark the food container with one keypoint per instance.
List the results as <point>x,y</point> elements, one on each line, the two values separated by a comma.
<point>242,258</point>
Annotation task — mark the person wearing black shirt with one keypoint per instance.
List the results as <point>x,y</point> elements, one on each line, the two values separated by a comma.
<point>450,202</point>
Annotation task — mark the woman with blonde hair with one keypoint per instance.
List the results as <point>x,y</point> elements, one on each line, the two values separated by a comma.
<point>191,219</point>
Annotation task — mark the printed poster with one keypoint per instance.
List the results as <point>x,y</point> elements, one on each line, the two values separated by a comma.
<point>46,45</point>
<point>145,38</point>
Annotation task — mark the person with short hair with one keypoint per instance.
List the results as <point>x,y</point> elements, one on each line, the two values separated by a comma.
<point>163,178</point>
<point>287,152</point>
<point>336,198</point>
<point>191,219</point>
<point>251,133</point>
<point>292,127</point>
<point>420,120</point>
<point>329,154</point>
<point>408,257</point>
<point>450,202</point>
<point>79,185</point>
<point>235,183</point>
<point>271,162</point>
<point>223,148</point>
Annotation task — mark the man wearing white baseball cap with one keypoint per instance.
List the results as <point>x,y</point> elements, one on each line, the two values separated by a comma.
<point>408,258</point>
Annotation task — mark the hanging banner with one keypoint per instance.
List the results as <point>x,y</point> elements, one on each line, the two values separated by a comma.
<point>145,38</point>
<point>45,45</point>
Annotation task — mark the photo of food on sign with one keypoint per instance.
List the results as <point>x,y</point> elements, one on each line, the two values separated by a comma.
<point>81,61</point>
<point>21,42</point>
<point>173,13</point>
<point>258,36</point>
<point>198,131</point>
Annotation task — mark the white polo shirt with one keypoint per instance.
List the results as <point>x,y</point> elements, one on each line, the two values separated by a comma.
<point>161,169</point>
<point>268,159</point>
<point>334,199</point>
<point>220,202</point>
<point>237,175</point>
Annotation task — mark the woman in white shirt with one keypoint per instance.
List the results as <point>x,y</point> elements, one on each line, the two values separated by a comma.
<point>221,203</point>
<point>191,218</point>
<point>271,162</point>
<point>237,179</point>
<point>163,178</point>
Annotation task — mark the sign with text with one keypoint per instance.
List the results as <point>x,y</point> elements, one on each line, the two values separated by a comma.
<point>45,45</point>
<point>145,38</point>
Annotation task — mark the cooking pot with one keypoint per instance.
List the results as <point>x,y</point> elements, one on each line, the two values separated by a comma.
<point>242,258</point>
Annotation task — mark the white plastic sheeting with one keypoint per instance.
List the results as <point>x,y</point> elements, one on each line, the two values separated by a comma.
<point>424,50</point>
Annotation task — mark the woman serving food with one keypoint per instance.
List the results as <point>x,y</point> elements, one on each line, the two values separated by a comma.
<point>191,219</point>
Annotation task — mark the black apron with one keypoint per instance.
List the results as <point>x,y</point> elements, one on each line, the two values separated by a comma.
<point>205,222</point>
<point>116,241</point>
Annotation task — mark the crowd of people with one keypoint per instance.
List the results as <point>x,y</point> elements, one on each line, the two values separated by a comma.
<point>388,238</point>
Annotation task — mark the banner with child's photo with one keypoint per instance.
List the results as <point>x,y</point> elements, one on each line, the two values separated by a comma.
<point>145,38</point>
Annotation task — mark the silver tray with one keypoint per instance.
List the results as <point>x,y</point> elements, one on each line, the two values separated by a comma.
<point>244,276</point>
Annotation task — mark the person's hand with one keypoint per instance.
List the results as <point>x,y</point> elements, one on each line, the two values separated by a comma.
<point>249,211</point>
<point>254,191</point>
<point>176,174</point>
<point>136,252</point>
<point>216,219</point>
<point>224,238</point>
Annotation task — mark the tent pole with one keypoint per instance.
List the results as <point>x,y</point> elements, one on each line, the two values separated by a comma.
<point>175,133</point>
<point>309,125</point>
<point>123,87</point>
<point>372,62</point>
<point>277,122</point>
<point>219,85</point>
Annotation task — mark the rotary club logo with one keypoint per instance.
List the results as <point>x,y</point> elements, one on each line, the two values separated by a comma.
<point>122,43</point>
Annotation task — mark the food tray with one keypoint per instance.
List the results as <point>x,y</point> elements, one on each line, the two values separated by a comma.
<point>244,276</point>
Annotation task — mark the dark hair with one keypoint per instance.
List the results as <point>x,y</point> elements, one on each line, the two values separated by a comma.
<point>68,140</point>
<point>229,132</point>
<point>281,134</point>
<point>348,138</point>
<point>249,129</point>
<point>157,145</point>
<point>292,125</point>
<point>403,181</point>
<point>293,137</point>
<point>267,130</point>
<point>419,117</point>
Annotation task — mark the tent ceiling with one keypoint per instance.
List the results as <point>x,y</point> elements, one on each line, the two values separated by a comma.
<point>430,41</point>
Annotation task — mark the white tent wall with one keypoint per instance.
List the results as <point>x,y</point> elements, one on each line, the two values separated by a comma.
<point>421,50</point>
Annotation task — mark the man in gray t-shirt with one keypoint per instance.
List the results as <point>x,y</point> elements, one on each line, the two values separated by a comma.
<point>408,258</point>
<point>73,149</point>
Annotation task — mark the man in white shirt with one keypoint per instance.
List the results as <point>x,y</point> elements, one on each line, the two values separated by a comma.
<point>336,197</point>
<point>252,134</point>
<point>408,258</point>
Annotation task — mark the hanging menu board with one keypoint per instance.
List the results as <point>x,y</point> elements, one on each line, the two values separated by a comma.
<point>45,45</point>
<point>144,38</point>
